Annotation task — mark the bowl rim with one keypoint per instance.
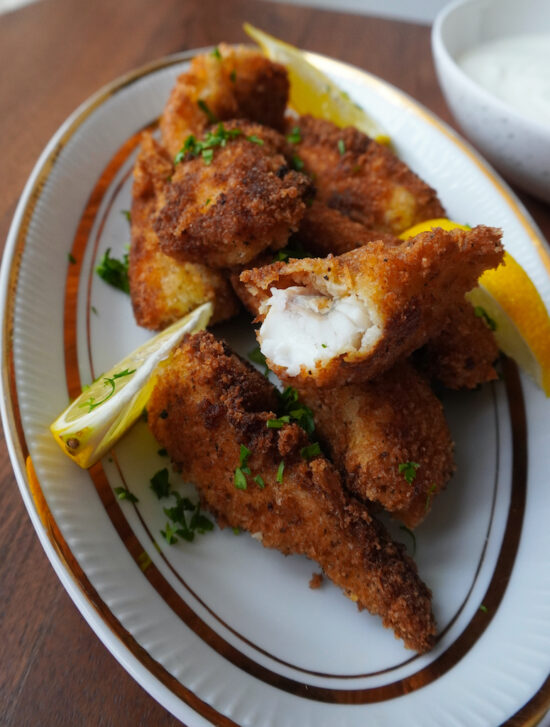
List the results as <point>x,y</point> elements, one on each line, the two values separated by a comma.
<point>441,52</point>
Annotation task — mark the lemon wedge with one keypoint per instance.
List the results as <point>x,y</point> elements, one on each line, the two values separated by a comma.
<point>96,420</point>
<point>442,222</point>
<point>511,305</point>
<point>522,325</point>
<point>311,91</point>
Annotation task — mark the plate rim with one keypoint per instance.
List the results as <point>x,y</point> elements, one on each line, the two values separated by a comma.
<point>91,606</point>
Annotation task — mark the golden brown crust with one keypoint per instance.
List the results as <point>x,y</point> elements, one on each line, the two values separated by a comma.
<point>410,290</point>
<point>325,231</point>
<point>161,288</point>
<point>227,212</point>
<point>240,83</point>
<point>463,354</point>
<point>208,395</point>
<point>367,183</point>
<point>370,429</point>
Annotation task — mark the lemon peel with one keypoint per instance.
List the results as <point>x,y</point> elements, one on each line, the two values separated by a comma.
<point>95,421</point>
<point>442,222</point>
<point>510,298</point>
<point>311,91</point>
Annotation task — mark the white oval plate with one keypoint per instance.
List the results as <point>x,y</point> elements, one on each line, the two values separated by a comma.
<point>222,630</point>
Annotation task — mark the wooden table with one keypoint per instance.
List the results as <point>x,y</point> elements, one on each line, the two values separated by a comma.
<point>53,55</point>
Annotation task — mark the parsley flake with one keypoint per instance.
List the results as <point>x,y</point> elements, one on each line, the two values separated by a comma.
<point>311,451</point>
<point>205,108</point>
<point>108,381</point>
<point>483,608</point>
<point>296,251</point>
<point>193,148</point>
<point>169,534</point>
<point>280,471</point>
<point>71,258</point>
<point>114,272</point>
<point>123,494</point>
<point>297,163</point>
<point>239,479</point>
<point>258,479</point>
<point>126,214</point>
<point>94,310</point>
<point>256,356</point>
<point>408,470</point>
<point>233,76</point>
<point>278,423</point>
<point>216,53</point>
<point>341,146</point>
<point>160,483</point>
<point>295,136</point>
<point>482,313</point>
<point>255,139</point>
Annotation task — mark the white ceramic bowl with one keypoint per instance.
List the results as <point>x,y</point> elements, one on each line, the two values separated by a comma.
<point>517,146</point>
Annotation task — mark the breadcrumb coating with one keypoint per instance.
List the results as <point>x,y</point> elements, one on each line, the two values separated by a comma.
<point>226,211</point>
<point>206,404</point>
<point>388,438</point>
<point>162,289</point>
<point>233,83</point>
<point>405,292</point>
<point>367,182</point>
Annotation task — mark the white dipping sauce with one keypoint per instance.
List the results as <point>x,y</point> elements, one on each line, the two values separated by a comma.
<point>516,69</point>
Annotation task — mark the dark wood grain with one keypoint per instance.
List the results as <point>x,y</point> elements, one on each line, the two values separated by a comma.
<point>53,55</point>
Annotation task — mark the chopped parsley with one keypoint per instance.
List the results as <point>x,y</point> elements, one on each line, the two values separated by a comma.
<point>258,479</point>
<point>114,272</point>
<point>236,531</point>
<point>123,494</point>
<point>296,251</point>
<point>197,522</point>
<point>207,202</point>
<point>71,258</point>
<point>162,452</point>
<point>256,356</point>
<point>94,310</point>
<point>341,146</point>
<point>244,454</point>
<point>169,534</point>
<point>126,214</point>
<point>233,76</point>
<point>216,53</point>
<point>205,108</point>
<point>302,415</point>
<point>239,479</point>
<point>295,136</point>
<point>483,608</point>
<point>255,139</point>
<point>297,163</point>
<point>482,313</point>
<point>408,470</point>
<point>412,536</point>
<point>280,471</point>
<point>160,483</point>
<point>312,450</point>
<point>205,148</point>
<point>278,423</point>
<point>107,381</point>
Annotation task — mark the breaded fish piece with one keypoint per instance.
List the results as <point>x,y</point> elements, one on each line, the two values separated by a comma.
<point>325,231</point>
<point>233,82</point>
<point>226,208</point>
<point>362,178</point>
<point>462,355</point>
<point>388,438</point>
<point>347,319</point>
<point>206,394</point>
<point>161,288</point>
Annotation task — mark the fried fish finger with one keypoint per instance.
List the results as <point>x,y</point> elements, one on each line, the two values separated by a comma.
<point>163,289</point>
<point>347,319</point>
<point>362,178</point>
<point>261,479</point>
<point>233,82</point>
<point>388,438</point>
<point>228,202</point>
